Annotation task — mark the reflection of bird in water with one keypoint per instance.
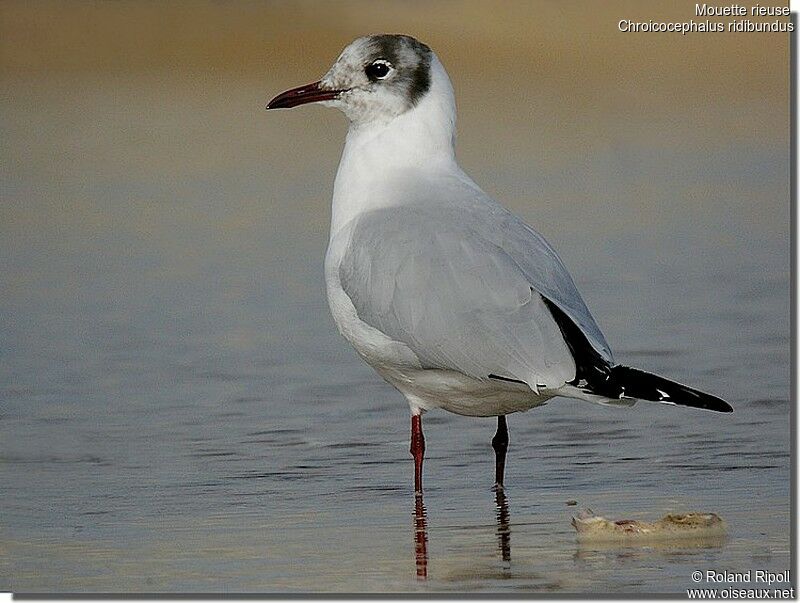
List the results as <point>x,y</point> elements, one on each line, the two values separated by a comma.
<point>499,442</point>
<point>454,300</point>
<point>503,526</point>
<point>420,537</point>
<point>421,532</point>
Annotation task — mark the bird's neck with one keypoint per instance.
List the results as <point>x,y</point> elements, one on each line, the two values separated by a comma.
<point>377,156</point>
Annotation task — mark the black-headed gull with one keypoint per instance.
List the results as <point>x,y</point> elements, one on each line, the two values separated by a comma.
<point>453,299</point>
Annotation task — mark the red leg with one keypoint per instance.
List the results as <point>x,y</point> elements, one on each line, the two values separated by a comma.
<point>417,450</point>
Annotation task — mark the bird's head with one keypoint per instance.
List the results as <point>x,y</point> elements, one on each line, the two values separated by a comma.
<point>376,78</point>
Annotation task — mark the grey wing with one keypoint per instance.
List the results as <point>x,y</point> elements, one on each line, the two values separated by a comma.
<point>459,300</point>
<point>544,270</point>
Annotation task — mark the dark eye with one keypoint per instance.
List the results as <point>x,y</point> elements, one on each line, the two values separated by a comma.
<point>377,70</point>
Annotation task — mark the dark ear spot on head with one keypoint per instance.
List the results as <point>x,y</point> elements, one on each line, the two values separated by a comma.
<point>420,80</point>
<point>411,58</point>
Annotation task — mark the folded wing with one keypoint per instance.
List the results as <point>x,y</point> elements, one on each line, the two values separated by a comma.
<point>463,290</point>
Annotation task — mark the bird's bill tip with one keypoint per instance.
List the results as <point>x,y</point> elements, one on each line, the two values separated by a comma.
<point>302,95</point>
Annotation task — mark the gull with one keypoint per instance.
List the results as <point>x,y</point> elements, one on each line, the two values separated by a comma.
<point>450,297</point>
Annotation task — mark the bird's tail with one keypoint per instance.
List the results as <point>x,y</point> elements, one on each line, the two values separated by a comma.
<point>640,385</point>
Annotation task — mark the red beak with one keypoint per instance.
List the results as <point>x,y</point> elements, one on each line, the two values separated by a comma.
<point>310,93</point>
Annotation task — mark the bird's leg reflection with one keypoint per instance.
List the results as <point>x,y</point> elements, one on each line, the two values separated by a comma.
<point>503,525</point>
<point>420,537</point>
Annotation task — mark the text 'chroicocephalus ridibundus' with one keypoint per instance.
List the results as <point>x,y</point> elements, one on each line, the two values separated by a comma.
<point>454,300</point>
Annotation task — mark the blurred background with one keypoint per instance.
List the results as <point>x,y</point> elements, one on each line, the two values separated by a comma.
<point>177,410</point>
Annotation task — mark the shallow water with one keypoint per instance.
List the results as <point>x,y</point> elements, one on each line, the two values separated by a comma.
<point>180,415</point>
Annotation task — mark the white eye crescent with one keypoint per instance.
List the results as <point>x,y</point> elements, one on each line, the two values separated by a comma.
<point>378,69</point>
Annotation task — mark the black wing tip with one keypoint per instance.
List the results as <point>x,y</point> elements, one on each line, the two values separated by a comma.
<point>721,406</point>
<point>654,388</point>
<point>616,382</point>
<point>714,405</point>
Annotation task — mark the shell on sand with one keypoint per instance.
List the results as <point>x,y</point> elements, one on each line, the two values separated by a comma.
<point>591,527</point>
